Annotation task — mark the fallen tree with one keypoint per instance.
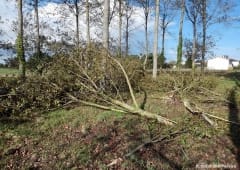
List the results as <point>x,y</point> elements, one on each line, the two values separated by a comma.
<point>66,80</point>
<point>100,97</point>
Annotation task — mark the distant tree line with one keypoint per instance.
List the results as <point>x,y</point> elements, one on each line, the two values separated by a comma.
<point>202,14</point>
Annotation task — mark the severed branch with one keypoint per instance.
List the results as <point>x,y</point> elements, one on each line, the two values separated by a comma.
<point>205,115</point>
<point>127,79</point>
<point>125,108</point>
<point>195,111</point>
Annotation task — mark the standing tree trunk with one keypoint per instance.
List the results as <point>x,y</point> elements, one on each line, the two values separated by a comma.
<point>127,32</point>
<point>120,28</point>
<point>204,27</point>
<point>180,35</point>
<point>38,45</point>
<point>155,45</point>
<point>194,49</point>
<point>105,40</point>
<point>19,43</point>
<point>77,23</point>
<point>162,54</point>
<point>88,23</point>
<point>146,40</point>
<point>106,25</point>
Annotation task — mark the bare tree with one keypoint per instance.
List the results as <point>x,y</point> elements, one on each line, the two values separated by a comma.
<point>146,8</point>
<point>212,12</point>
<point>167,15</point>
<point>74,7</point>
<point>155,45</point>
<point>19,41</point>
<point>192,11</point>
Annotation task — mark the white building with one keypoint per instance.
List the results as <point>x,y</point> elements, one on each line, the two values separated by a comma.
<point>221,63</point>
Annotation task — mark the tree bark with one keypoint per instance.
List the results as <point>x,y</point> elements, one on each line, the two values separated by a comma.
<point>204,28</point>
<point>180,35</point>
<point>120,28</point>
<point>88,23</point>
<point>20,46</point>
<point>77,23</point>
<point>128,16</point>
<point>194,49</point>
<point>106,25</point>
<point>127,35</point>
<point>38,45</point>
<point>146,41</point>
<point>155,45</point>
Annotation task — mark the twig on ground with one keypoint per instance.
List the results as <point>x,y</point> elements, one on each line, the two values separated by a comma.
<point>155,139</point>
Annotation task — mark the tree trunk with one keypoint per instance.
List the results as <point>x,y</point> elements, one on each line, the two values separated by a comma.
<point>163,40</point>
<point>162,54</point>
<point>127,36</point>
<point>120,28</point>
<point>204,24</point>
<point>155,45</point>
<point>77,23</point>
<point>20,47</point>
<point>106,25</point>
<point>180,36</point>
<point>146,41</point>
<point>194,49</point>
<point>88,23</point>
<point>38,46</point>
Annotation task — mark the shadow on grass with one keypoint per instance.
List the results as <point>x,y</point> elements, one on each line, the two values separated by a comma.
<point>10,121</point>
<point>233,75</point>
<point>170,162</point>
<point>233,128</point>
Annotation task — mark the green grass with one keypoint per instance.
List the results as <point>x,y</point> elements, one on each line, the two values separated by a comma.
<point>112,134</point>
<point>8,71</point>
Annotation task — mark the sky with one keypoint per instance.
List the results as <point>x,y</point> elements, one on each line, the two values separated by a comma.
<point>226,35</point>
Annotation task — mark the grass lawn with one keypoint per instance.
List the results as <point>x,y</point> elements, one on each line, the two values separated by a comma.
<point>88,138</point>
<point>8,71</point>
